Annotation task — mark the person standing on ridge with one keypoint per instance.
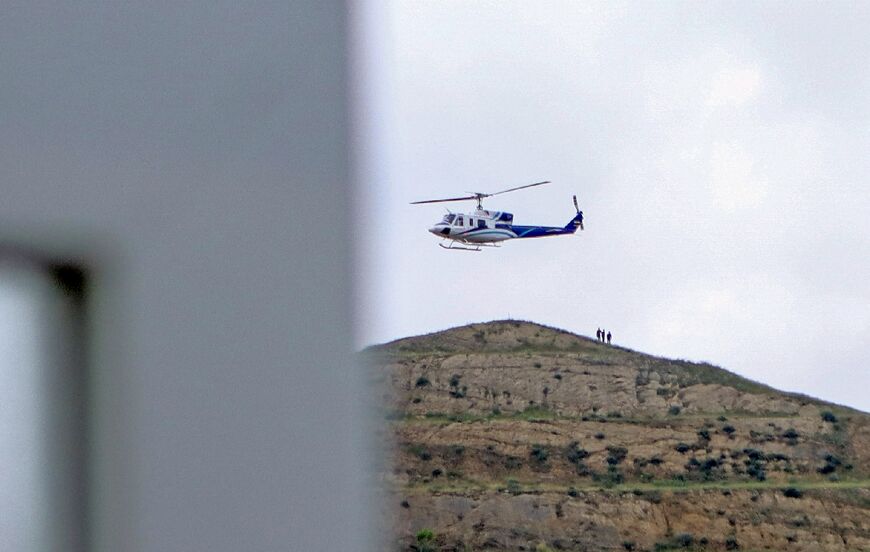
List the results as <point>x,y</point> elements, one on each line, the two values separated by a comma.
<point>608,338</point>
<point>598,334</point>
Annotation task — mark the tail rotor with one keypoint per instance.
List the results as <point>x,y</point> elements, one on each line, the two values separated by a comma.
<point>579,213</point>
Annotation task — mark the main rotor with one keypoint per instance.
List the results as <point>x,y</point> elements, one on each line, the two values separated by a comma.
<point>478,196</point>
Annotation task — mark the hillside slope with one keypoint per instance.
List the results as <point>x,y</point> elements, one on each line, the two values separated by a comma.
<point>515,436</point>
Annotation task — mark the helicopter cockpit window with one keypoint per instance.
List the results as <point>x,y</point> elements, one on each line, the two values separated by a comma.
<point>448,218</point>
<point>459,221</point>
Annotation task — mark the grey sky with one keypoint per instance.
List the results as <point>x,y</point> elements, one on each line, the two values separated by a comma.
<point>719,151</point>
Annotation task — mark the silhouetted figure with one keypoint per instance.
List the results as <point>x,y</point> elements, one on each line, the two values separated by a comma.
<point>608,338</point>
<point>598,334</point>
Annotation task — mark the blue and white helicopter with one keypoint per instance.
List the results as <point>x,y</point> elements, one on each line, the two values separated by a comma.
<point>489,228</point>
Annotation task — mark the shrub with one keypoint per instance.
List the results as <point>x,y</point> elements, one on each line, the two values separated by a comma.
<point>558,376</point>
<point>416,400</point>
<point>682,448</point>
<point>674,410</point>
<point>513,487</point>
<point>599,436</point>
<point>829,417</point>
<point>513,463</point>
<point>454,380</point>
<point>422,381</point>
<point>425,538</point>
<point>753,454</point>
<point>731,544</point>
<point>722,419</point>
<point>574,454</point>
<point>729,430</point>
<point>572,492</point>
<point>791,433</point>
<point>833,460</point>
<point>405,504</point>
<point>421,452</point>
<point>540,453</point>
<point>792,492</point>
<point>616,455</point>
<point>611,478</point>
<point>704,435</point>
<point>757,471</point>
<point>537,365</point>
<point>685,540</point>
<point>628,545</point>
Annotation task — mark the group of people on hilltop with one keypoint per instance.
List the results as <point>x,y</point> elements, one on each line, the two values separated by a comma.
<point>603,336</point>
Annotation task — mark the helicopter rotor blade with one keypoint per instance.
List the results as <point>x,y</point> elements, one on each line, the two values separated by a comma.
<point>517,188</point>
<point>444,200</point>
<point>478,195</point>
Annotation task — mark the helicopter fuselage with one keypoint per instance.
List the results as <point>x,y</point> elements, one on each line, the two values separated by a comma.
<point>483,227</point>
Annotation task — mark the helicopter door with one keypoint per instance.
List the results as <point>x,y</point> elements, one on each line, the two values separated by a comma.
<point>459,221</point>
<point>481,223</point>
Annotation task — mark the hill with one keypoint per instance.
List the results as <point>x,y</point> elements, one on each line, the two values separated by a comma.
<point>510,435</point>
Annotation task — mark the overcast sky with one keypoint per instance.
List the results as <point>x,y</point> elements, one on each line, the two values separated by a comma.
<point>719,151</point>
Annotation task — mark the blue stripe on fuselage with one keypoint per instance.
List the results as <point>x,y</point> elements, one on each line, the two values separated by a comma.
<point>534,231</point>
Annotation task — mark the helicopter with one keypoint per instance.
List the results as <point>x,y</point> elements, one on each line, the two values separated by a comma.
<point>470,232</point>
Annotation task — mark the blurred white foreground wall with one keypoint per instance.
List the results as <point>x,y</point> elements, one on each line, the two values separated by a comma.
<point>191,161</point>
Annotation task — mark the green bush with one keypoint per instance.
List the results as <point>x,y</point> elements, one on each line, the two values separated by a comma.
<point>425,540</point>
<point>829,417</point>
<point>575,454</point>
<point>540,453</point>
<point>512,463</point>
<point>616,455</point>
<point>422,381</point>
<point>674,410</point>
<point>792,492</point>
<point>791,433</point>
<point>421,452</point>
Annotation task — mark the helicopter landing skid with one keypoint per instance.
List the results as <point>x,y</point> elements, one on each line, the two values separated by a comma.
<point>476,247</point>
